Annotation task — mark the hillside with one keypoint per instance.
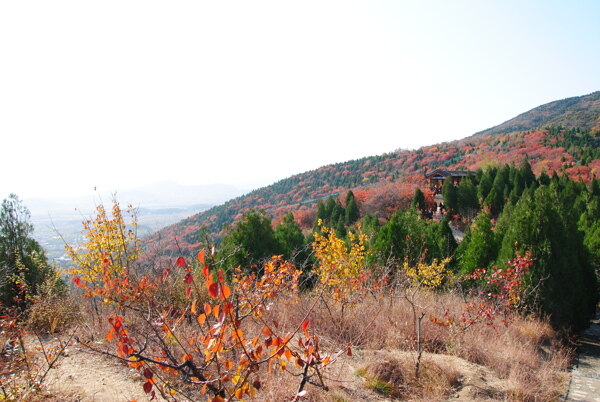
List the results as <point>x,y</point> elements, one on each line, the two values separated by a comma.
<point>377,178</point>
<point>577,112</point>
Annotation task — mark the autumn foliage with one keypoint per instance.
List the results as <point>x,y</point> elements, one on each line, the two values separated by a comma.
<point>222,340</point>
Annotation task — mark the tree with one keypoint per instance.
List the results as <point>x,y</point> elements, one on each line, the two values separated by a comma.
<point>352,212</point>
<point>289,236</point>
<point>408,238</point>
<point>467,198</point>
<point>450,194</point>
<point>251,241</point>
<point>23,265</point>
<point>418,201</point>
<point>479,249</point>
<point>562,268</point>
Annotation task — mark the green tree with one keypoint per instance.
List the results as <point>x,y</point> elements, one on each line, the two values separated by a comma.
<point>418,200</point>
<point>467,198</point>
<point>251,241</point>
<point>406,237</point>
<point>479,249</point>
<point>23,265</point>
<point>446,243</point>
<point>562,269</point>
<point>450,194</point>
<point>351,213</point>
<point>289,236</point>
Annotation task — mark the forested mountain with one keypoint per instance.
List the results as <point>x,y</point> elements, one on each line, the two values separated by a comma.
<point>383,183</point>
<point>577,112</point>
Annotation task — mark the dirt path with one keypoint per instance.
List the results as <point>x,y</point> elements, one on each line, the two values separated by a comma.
<point>585,378</point>
<point>86,376</point>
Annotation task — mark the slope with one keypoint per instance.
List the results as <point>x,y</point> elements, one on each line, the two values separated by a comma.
<point>377,179</point>
<point>577,112</point>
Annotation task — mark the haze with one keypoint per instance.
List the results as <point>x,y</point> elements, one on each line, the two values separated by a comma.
<point>120,94</point>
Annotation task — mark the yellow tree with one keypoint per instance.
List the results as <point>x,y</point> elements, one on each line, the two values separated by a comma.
<point>429,276</point>
<point>104,259</point>
<point>340,266</point>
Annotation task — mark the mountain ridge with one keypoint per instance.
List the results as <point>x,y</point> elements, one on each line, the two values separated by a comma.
<point>575,153</point>
<point>563,112</point>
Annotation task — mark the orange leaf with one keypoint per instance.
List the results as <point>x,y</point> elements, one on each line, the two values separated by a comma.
<point>227,308</point>
<point>180,262</point>
<point>207,309</point>
<point>305,325</point>
<point>221,276</point>
<point>288,354</point>
<point>201,256</point>
<point>205,271</point>
<point>193,308</point>
<point>267,331</point>
<point>215,311</point>
<point>201,319</point>
<point>225,292</point>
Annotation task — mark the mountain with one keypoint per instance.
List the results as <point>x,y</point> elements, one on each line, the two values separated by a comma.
<point>383,181</point>
<point>577,112</point>
<point>159,204</point>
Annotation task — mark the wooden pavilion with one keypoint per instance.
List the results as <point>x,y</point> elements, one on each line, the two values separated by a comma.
<point>438,176</point>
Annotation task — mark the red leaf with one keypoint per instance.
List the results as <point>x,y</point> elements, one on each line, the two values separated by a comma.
<point>205,271</point>
<point>213,290</point>
<point>305,325</point>
<point>147,387</point>
<point>188,292</point>
<point>188,278</point>
<point>201,256</point>
<point>148,373</point>
<point>180,262</point>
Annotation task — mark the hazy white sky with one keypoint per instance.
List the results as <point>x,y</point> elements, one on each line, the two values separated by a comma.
<point>115,94</point>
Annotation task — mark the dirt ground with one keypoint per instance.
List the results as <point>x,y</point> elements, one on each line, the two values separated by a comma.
<point>83,375</point>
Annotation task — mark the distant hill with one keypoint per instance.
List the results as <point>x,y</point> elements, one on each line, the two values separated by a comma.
<point>578,112</point>
<point>159,204</point>
<point>377,179</point>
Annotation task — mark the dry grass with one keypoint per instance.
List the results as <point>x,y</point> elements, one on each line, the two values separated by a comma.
<point>525,354</point>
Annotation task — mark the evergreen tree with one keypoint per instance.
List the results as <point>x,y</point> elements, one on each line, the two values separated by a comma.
<point>351,212</point>
<point>445,239</point>
<point>526,173</point>
<point>479,250</point>
<point>251,241</point>
<point>406,237</point>
<point>289,236</point>
<point>562,269</point>
<point>467,198</point>
<point>450,194</point>
<point>418,200</point>
<point>22,259</point>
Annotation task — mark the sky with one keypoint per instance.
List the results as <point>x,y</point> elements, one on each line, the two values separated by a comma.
<point>121,94</point>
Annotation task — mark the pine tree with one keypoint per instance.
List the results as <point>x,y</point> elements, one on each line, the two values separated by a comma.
<point>418,200</point>
<point>480,249</point>
<point>289,236</point>
<point>351,212</point>
<point>562,269</point>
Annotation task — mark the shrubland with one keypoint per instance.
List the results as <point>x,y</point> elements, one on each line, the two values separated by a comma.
<point>359,305</point>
